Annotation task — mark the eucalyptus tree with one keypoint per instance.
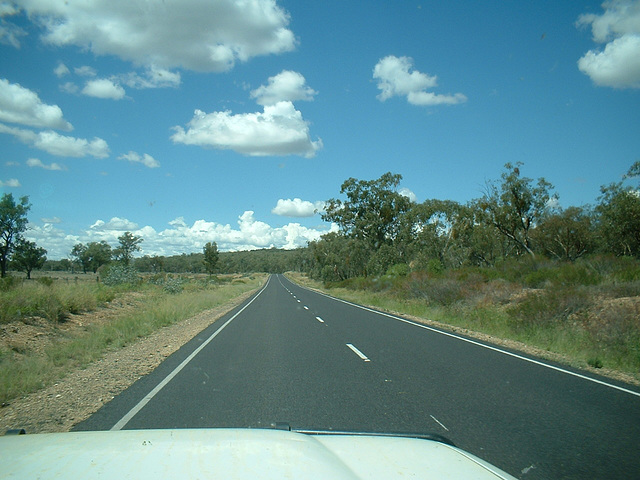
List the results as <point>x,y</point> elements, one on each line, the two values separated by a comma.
<point>13,221</point>
<point>516,205</point>
<point>619,215</point>
<point>27,256</point>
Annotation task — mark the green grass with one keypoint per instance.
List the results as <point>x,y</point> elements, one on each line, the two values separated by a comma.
<point>51,301</point>
<point>158,309</point>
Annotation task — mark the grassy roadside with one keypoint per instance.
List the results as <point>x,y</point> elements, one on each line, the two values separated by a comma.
<point>157,307</point>
<point>598,334</point>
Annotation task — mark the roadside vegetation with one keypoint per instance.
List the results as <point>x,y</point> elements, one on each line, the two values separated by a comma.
<point>512,263</point>
<point>588,311</point>
<point>160,300</point>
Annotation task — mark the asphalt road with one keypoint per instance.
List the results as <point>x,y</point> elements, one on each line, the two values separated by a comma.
<point>292,355</point>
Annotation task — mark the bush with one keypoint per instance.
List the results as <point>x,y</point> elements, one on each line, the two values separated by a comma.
<point>398,270</point>
<point>551,307</point>
<point>9,282</point>
<point>173,285</point>
<point>120,275</point>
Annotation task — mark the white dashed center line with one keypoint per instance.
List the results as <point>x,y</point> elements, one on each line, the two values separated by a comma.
<point>358,352</point>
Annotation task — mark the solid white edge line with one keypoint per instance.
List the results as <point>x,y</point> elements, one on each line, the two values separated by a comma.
<point>140,405</point>
<point>358,352</point>
<point>495,349</point>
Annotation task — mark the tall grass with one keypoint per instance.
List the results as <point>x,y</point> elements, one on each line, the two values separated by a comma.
<point>158,309</point>
<point>51,300</point>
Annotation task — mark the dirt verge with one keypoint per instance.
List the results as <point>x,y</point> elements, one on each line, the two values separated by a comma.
<point>82,392</point>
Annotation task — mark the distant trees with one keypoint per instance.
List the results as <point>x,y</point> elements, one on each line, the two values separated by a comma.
<point>92,256</point>
<point>129,244</point>
<point>210,261</point>
<point>27,256</point>
<point>13,221</point>
<point>380,229</point>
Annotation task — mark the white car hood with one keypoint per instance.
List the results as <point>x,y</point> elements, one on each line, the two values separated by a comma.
<point>233,453</point>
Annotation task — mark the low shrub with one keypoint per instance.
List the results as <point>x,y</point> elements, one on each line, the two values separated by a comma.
<point>118,274</point>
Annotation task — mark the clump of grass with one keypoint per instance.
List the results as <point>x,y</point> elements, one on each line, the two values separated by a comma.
<point>51,301</point>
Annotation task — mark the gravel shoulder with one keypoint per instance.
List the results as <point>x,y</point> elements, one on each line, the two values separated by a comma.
<point>82,392</point>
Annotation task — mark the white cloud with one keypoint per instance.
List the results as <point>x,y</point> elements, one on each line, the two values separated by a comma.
<point>103,88</point>
<point>69,87</point>
<point>297,208</point>
<point>618,65</point>
<point>285,86</point>
<point>85,71</point>
<point>115,224</point>
<point>61,70</point>
<point>59,145</point>
<point>12,182</point>
<point>34,162</point>
<point>395,78</point>
<point>278,130</point>
<point>153,77</point>
<point>54,220</point>
<point>146,159</point>
<point>248,234</point>
<point>23,106</point>
<point>405,192</point>
<point>10,33</point>
<point>193,34</point>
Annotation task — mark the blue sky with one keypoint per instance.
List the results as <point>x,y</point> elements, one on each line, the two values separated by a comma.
<point>192,121</point>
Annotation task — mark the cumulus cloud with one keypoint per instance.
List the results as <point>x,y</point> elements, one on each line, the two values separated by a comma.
<point>23,106</point>
<point>405,192</point>
<point>192,34</point>
<point>37,163</point>
<point>297,208</point>
<point>10,34</point>
<point>85,71</point>
<point>395,78</point>
<point>180,237</point>
<point>103,88</point>
<point>115,224</point>
<point>278,130</point>
<point>618,65</point>
<point>146,159</point>
<point>12,182</point>
<point>285,86</point>
<point>59,145</point>
<point>61,70</point>
<point>153,77</point>
<point>54,220</point>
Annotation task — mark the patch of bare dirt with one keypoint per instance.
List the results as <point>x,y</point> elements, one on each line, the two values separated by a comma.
<point>83,391</point>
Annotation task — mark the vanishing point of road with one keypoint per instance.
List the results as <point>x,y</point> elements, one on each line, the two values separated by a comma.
<point>289,354</point>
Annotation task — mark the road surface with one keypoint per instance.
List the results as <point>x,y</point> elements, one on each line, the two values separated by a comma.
<point>292,355</point>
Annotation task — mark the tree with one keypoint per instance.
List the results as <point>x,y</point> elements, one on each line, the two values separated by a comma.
<point>129,244</point>
<point>372,211</point>
<point>566,235</point>
<point>210,257</point>
<point>515,206</point>
<point>619,215</point>
<point>98,253</point>
<point>79,254</point>
<point>27,256</point>
<point>13,221</point>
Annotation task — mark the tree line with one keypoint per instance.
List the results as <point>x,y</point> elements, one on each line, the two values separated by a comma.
<point>380,229</point>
